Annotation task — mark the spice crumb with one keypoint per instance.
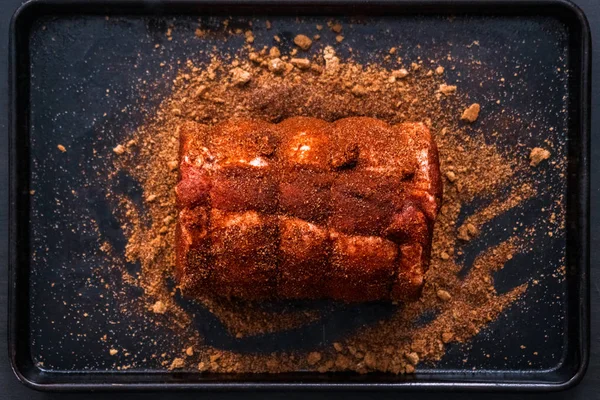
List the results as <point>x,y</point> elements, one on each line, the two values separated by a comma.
<point>173,165</point>
<point>313,358</point>
<point>159,307</point>
<point>471,113</point>
<point>119,149</point>
<point>62,148</point>
<point>447,337</point>
<point>177,363</point>
<point>112,352</point>
<point>370,360</point>
<point>303,42</point>
<point>538,155</point>
<point>274,52</point>
<point>359,90</point>
<point>301,63</point>
<point>451,176</point>
<point>276,65</point>
<point>400,73</point>
<point>443,295</point>
<point>240,77</point>
<point>447,89</point>
<point>472,230</point>
<point>413,358</point>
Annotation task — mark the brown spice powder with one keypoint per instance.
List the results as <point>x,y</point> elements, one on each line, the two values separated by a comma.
<point>328,88</point>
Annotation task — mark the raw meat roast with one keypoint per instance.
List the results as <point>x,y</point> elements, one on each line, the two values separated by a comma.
<point>306,209</point>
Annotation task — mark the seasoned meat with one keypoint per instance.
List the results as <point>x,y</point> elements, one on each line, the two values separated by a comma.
<point>306,209</point>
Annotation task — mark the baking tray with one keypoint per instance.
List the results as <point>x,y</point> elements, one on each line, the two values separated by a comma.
<point>71,41</point>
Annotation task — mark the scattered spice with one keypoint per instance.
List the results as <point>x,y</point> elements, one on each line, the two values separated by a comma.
<point>330,88</point>
<point>61,148</point>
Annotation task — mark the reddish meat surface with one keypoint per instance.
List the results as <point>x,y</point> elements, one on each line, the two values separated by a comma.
<point>306,209</point>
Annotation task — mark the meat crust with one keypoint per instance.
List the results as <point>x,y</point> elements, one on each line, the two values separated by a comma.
<point>306,209</point>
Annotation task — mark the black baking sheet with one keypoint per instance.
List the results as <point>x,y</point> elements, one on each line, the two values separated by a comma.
<point>66,55</point>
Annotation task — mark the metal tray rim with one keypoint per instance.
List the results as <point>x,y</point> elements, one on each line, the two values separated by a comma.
<point>436,6</point>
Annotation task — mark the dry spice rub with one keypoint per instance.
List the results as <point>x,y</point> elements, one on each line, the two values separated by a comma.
<point>273,84</point>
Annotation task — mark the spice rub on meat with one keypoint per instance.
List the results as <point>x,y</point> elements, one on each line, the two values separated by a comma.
<point>306,209</point>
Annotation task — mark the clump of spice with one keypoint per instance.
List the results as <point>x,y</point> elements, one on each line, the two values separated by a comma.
<point>538,155</point>
<point>303,42</point>
<point>471,113</point>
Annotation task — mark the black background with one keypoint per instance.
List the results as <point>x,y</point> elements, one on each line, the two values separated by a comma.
<point>10,388</point>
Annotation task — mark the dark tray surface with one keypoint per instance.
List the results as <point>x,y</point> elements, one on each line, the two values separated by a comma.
<point>11,389</point>
<point>483,342</point>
